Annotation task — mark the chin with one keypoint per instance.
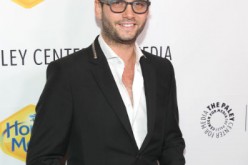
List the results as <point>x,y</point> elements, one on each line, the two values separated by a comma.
<point>127,40</point>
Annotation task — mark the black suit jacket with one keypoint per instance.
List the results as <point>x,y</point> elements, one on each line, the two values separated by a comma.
<point>81,117</point>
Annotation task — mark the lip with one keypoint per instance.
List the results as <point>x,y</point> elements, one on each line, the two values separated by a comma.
<point>127,24</point>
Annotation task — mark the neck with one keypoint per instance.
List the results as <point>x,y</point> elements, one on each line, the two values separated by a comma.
<point>126,51</point>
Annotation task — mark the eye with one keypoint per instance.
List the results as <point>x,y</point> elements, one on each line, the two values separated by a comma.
<point>117,3</point>
<point>140,4</point>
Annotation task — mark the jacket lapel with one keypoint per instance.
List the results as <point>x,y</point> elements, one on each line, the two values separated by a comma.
<point>149,76</point>
<point>106,82</point>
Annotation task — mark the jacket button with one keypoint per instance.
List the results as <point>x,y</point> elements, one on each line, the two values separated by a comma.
<point>138,156</point>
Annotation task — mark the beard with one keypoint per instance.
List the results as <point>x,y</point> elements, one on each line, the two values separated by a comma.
<point>113,34</point>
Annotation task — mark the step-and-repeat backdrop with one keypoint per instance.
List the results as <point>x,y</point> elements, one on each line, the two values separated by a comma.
<point>206,40</point>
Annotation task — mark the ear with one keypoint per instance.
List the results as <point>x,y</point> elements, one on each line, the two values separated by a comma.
<point>98,9</point>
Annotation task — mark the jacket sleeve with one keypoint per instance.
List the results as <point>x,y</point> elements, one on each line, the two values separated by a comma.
<point>173,146</point>
<point>51,129</point>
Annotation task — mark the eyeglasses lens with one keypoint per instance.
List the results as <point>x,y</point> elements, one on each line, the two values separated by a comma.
<point>138,7</point>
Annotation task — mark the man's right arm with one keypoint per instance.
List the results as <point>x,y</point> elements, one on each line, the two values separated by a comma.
<point>51,129</point>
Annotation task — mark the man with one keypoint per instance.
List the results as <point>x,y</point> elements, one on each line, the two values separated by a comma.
<point>111,103</point>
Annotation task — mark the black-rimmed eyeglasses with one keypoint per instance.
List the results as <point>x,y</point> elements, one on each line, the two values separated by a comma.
<point>119,6</point>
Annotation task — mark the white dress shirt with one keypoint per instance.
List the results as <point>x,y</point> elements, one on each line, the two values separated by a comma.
<point>137,112</point>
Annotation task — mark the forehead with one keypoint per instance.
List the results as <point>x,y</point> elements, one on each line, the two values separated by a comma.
<point>111,1</point>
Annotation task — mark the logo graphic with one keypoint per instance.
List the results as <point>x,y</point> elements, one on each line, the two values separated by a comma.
<point>217,120</point>
<point>27,3</point>
<point>15,132</point>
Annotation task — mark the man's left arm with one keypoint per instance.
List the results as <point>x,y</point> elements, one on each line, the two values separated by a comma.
<point>173,147</point>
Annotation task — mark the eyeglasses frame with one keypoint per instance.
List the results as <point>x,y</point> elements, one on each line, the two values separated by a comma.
<point>127,3</point>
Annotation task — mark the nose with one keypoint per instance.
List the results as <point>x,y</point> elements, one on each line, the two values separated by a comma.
<point>128,13</point>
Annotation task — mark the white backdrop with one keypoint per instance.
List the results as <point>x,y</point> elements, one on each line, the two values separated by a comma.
<point>205,40</point>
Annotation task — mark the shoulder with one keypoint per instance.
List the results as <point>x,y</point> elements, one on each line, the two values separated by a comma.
<point>72,60</point>
<point>158,62</point>
<point>70,64</point>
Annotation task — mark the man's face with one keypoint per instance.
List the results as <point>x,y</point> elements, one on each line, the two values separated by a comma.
<point>121,27</point>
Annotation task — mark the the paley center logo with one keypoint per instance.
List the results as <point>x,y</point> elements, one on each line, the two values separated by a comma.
<point>15,132</point>
<point>217,120</point>
<point>27,3</point>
